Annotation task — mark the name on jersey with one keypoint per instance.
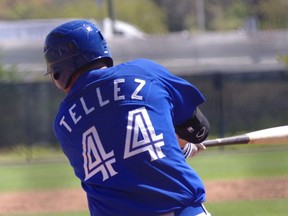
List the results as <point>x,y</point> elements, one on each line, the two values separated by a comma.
<point>81,108</point>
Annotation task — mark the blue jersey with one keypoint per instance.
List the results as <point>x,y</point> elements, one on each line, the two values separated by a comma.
<point>116,126</point>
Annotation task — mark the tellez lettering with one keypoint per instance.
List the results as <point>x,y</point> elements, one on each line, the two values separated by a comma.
<point>76,117</point>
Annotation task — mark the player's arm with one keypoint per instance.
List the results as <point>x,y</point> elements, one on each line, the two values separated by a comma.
<point>195,129</point>
<point>192,132</point>
<point>190,149</point>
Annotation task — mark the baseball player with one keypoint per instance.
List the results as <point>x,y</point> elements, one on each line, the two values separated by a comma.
<point>119,127</point>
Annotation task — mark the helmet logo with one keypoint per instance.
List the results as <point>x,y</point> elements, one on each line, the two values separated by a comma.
<point>89,29</point>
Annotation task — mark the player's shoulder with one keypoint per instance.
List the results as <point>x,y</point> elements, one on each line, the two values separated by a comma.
<point>143,62</point>
<point>150,66</point>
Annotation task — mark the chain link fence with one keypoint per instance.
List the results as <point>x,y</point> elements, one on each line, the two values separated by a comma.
<point>235,102</point>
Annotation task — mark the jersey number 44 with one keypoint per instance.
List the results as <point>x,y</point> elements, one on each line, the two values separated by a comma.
<point>140,137</point>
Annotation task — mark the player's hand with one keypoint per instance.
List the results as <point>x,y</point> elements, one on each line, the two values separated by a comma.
<point>181,142</point>
<point>191,150</point>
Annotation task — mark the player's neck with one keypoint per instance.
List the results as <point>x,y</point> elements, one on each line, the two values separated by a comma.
<point>77,74</point>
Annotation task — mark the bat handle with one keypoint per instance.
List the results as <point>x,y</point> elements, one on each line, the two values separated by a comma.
<point>243,139</point>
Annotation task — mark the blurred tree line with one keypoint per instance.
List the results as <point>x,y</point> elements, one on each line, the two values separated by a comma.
<point>159,16</point>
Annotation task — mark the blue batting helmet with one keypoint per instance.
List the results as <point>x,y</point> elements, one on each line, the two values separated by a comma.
<point>71,46</point>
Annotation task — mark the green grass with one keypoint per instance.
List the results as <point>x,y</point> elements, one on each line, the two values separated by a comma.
<point>237,162</point>
<point>239,208</point>
<point>241,162</point>
<point>249,208</point>
<point>232,163</point>
<point>37,168</point>
<point>37,176</point>
<point>54,214</point>
<point>22,153</point>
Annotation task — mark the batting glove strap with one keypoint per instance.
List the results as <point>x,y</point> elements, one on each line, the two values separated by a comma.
<point>187,149</point>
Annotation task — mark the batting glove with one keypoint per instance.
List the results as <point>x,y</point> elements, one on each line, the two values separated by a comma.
<point>190,149</point>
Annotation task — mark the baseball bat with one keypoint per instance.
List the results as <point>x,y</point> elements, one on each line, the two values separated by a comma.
<point>275,135</point>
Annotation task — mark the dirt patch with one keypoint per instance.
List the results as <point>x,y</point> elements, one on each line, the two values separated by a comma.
<point>43,201</point>
<point>253,189</point>
<point>75,199</point>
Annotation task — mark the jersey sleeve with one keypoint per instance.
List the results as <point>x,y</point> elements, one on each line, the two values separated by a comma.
<point>184,96</point>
